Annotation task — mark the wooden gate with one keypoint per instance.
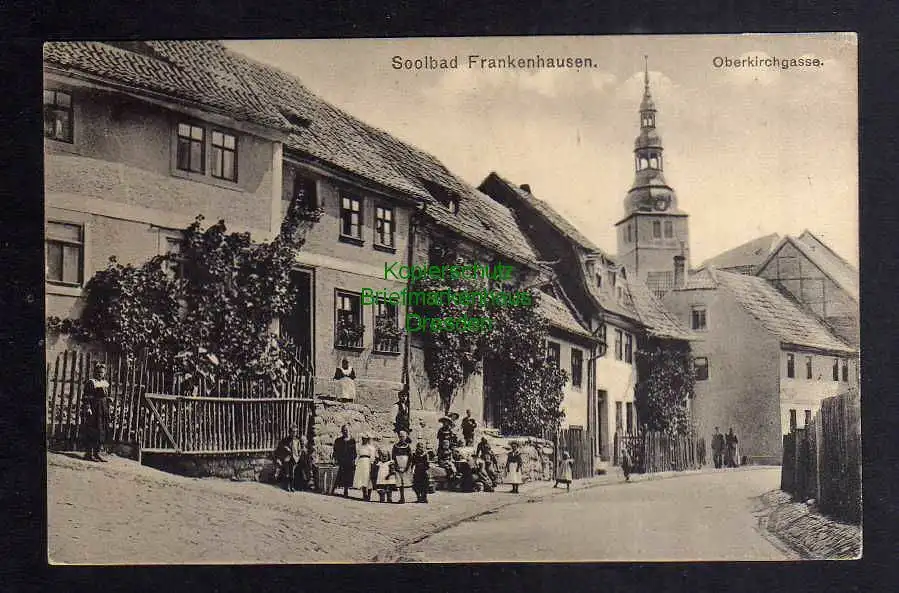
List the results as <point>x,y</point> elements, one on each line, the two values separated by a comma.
<point>193,425</point>
<point>577,442</point>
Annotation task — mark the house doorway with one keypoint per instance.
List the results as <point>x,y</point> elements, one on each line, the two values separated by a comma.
<point>299,324</point>
<point>602,397</point>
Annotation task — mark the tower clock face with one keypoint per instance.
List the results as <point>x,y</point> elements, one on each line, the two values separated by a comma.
<point>661,203</point>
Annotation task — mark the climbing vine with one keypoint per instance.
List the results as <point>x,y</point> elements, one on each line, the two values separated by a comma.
<point>205,311</point>
<point>527,382</point>
<point>665,386</point>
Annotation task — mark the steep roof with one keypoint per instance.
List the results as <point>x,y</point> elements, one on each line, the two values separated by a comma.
<point>210,75</point>
<point>777,313</point>
<point>559,315</point>
<point>549,214</point>
<point>752,253</point>
<point>653,314</point>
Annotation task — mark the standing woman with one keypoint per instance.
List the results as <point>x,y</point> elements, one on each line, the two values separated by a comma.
<point>402,457</point>
<point>403,409</point>
<point>95,413</point>
<point>345,456</point>
<point>362,477</point>
<point>345,375</point>
<point>513,468</point>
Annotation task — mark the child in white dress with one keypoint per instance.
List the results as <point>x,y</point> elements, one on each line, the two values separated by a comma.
<point>565,472</point>
<point>385,480</point>
<point>362,476</point>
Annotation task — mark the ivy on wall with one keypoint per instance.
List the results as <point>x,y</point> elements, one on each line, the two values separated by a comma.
<point>527,383</point>
<point>207,310</point>
<point>666,384</point>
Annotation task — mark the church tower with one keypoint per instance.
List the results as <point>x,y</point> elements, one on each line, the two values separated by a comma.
<point>653,230</point>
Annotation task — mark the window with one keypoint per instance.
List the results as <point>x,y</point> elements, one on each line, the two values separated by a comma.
<point>384,226</point>
<point>453,206</point>
<point>58,116</point>
<point>577,367</point>
<point>554,353</point>
<point>656,229</point>
<point>808,367</point>
<point>191,148</point>
<point>791,366</point>
<point>792,420</point>
<point>629,237</point>
<point>631,420</point>
<point>65,253</point>
<point>618,350</point>
<point>602,335</point>
<point>348,327</point>
<point>305,192</point>
<point>698,319</point>
<point>846,370</point>
<point>669,229</point>
<point>387,332</point>
<point>836,369</point>
<point>619,421</point>
<point>808,418</point>
<point>701,368</point>
<point>224,156</point>
<point>628,348</point>
<point>599,280</point>
<point>351,217</point>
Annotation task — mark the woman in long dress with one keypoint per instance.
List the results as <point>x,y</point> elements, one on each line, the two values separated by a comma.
<point>402,457</point>
<point>95,413</point>
<point>513,468</point>
<point>362,476</point>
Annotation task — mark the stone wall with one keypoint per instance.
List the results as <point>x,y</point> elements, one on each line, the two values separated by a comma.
<point>232,467</point>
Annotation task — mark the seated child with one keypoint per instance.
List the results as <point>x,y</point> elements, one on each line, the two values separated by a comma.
<point>445,460</point>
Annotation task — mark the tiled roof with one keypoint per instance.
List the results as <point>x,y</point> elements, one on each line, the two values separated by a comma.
<point>839,270</point>
<point>779,314</point>
<point>196,71</point>
<point>653,314</point>
<point>208,74</point>
<point>700,280</point>
<point>559,315</point>
<point>558,221</point>
<point>751,253</point>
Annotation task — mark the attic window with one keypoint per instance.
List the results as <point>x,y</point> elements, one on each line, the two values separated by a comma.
<point>296,119</point>
<point>444,195</point>
<point>453,206</point>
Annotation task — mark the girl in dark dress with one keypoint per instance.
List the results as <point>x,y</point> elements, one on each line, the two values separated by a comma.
<point>420,473</point>
<point>95,413</point>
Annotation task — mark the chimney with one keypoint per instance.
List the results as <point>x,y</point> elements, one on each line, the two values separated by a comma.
<point>679,261</point>
<point>526,187</point>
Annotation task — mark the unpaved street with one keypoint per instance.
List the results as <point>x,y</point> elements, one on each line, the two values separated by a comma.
<point>697,517</point>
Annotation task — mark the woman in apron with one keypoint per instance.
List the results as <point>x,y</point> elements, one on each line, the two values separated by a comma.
<point>513,468</point>
<point>402,457</point>
<point>345,376</point>
<point>362,475</point>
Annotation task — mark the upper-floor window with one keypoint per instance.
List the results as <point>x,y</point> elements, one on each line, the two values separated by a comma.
<point>224,156</point>
<point>629,234</point>
<point>669,229</point>
<point>808,418</point>
<point>348,321</point>
<point>845,370</point>
<point>791,366</point>
<point>351,217</point>
<point>836,369</point>
<point>599,280</point>
<point>628,348</point>
<point>808,367</point>
<point>602,336</point>
<point>619,338</point>
<point>65,253</point>
<point>58,116</point>
<point>701,368</point>
<point>384,226</point>
<point>191,148</point>
<point>577,367</point>
<point>656,229</point>
<point>386,328</point>
<point>698,319</point>
<point>792,420</point>
<point>554,353</point>
<point>305,191</point>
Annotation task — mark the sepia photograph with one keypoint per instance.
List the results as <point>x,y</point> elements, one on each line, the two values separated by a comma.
<point>452,300</point>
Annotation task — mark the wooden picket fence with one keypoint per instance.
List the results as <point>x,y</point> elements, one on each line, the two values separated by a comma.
<point>577,442</point>
<point>823,460</point>
<point>163,412</point>
<point>653,452</point>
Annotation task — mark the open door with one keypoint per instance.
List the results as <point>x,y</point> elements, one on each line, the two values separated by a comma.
<point>299,324</point>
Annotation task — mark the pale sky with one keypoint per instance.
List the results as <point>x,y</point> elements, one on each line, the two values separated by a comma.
<point>748,151</point>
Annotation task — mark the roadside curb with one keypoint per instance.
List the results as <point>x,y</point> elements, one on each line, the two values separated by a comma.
<point>542,492</point>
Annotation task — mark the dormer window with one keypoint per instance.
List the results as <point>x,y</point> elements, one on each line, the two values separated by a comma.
<point>453,206</point>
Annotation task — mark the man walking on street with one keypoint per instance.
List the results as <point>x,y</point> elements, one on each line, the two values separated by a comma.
<point>718,448</point>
